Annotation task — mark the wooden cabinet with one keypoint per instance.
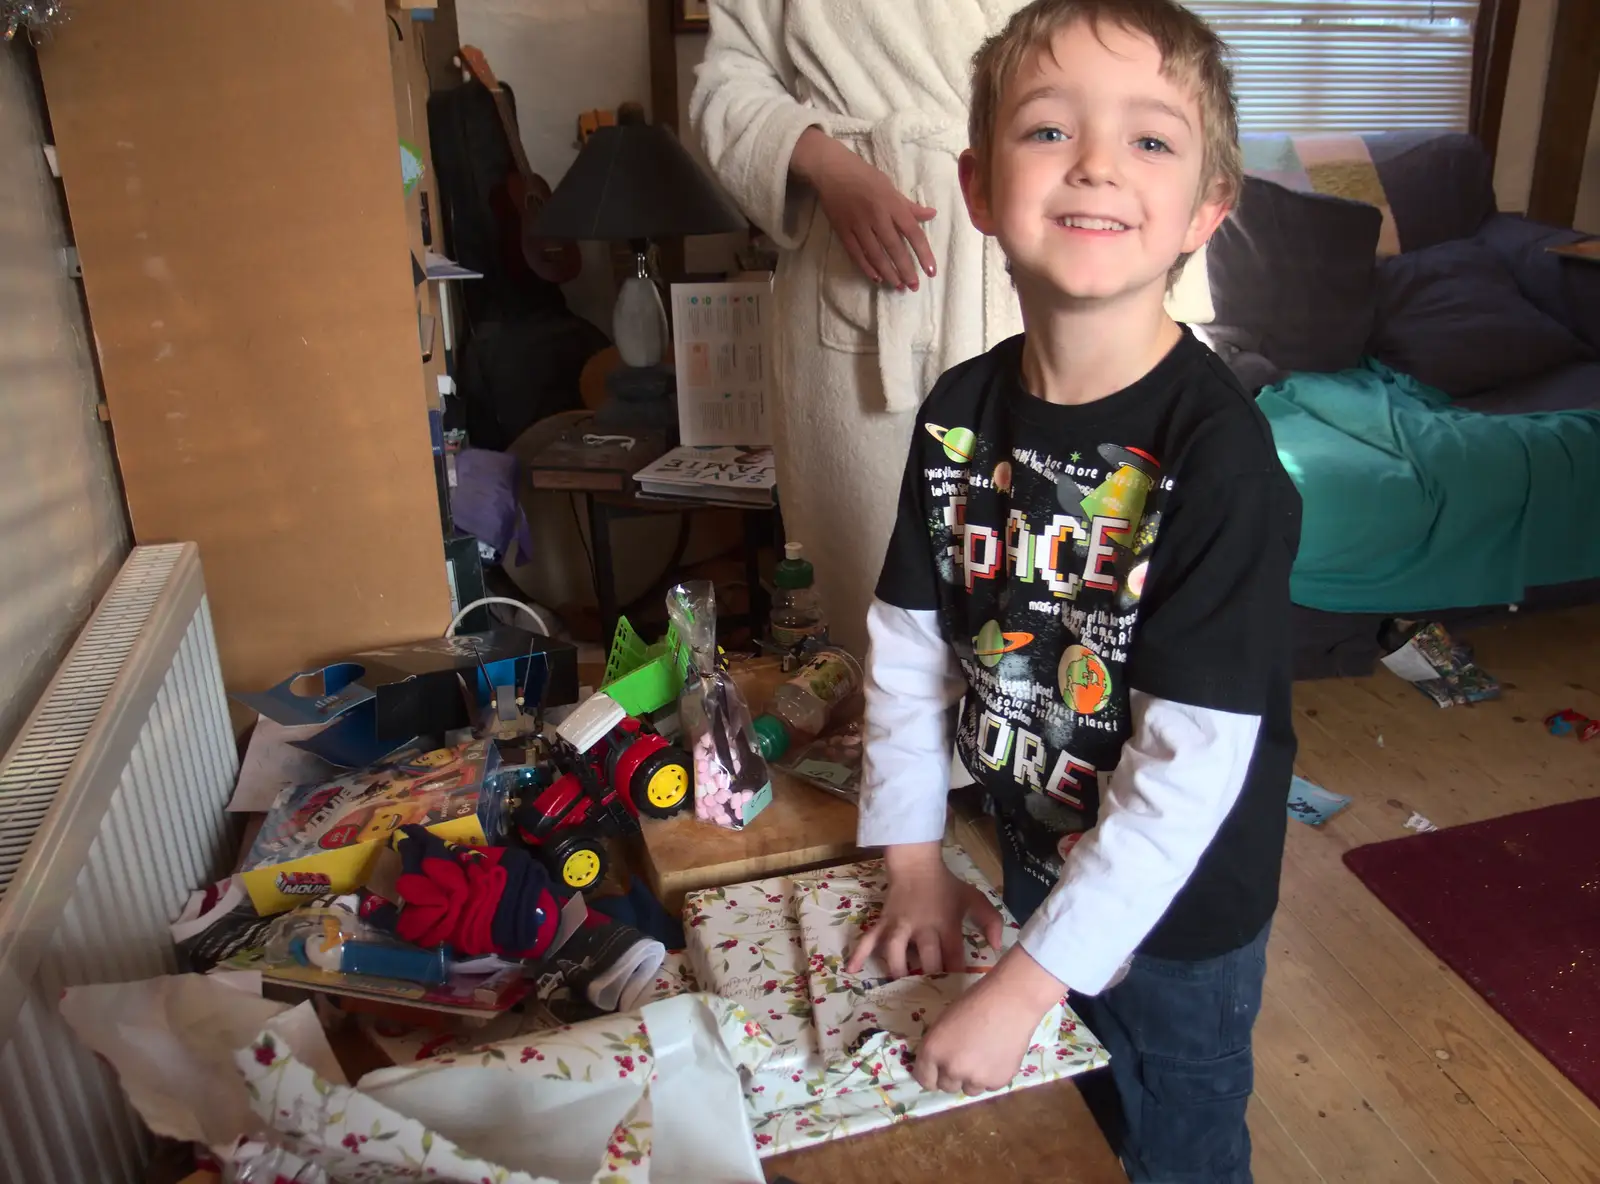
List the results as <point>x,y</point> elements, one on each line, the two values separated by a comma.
<point>233,178</point>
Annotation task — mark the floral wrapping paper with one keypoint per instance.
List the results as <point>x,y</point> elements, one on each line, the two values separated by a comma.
<point>873,1088</point>
<point>843,1043</point>
<point>821,1053</point>
<point>353,1135</point>
<point>348,1135</point>
<point>744,944</point>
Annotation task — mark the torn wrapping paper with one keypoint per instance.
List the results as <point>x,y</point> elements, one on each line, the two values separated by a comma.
<point>653,1095</point>
<point>343,1131</point>
<point>171,1041</point>
<point>842,1042</point>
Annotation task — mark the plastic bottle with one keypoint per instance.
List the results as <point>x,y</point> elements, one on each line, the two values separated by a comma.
<point>805,702</point>
<point>772,737</point>
<point>797,615</point>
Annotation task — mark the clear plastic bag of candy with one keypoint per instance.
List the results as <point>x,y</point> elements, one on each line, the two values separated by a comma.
<point>731,782</point>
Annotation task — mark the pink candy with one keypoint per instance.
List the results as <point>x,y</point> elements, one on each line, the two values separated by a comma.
<point>717,798</point>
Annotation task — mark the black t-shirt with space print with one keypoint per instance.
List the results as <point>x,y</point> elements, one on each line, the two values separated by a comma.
<point>1074,553</point>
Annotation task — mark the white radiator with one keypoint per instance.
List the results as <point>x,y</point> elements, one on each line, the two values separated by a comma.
<point>111,811</point>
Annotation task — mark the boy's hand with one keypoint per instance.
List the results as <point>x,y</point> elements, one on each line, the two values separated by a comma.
<point>925,909</point>
<point>979,1042</point>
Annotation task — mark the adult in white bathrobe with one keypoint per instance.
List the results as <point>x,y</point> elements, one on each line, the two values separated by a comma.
<point>870,312</point>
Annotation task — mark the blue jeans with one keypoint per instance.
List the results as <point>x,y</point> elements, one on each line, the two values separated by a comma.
<point>1172,1102</point>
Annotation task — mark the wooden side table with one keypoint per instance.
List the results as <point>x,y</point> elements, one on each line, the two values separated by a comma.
<point>606,508</point>
<point>603,476</point>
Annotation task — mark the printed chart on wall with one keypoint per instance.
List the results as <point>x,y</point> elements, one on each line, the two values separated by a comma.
<point>722,340</point>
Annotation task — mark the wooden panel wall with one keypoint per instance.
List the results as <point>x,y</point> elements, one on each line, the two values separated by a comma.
<point>233,177</point>
<point>1569,95</point>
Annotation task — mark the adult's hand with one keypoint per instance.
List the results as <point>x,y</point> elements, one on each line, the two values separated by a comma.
<point>878,225</point>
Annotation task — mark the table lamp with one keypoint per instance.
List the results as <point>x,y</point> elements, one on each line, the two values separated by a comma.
<point>635,181</point>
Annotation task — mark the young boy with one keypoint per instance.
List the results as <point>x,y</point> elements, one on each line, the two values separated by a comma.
<point>1093,547</point>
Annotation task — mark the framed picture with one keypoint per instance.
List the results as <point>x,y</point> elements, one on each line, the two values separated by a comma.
<point>691,16</point>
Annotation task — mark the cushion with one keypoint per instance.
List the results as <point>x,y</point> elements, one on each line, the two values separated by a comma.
<point>1439,185</point>
<point>1567,388</point>
<point>1253,371</point>
<point>1292,277</point>
<point>1566,289</point>
<point>1452,316</point>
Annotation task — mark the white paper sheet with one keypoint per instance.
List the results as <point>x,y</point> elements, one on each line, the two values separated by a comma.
<point>272,763</point>
<point>171,1041</point>
<point>722,343</point>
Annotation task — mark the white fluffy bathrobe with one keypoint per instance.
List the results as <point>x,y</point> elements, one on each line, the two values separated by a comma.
<point>890,79</point>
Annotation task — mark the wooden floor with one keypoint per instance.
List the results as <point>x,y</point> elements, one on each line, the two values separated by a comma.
<point>1374,1061</point>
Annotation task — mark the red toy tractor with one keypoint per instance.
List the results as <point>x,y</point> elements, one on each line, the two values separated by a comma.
<point>612,768</point>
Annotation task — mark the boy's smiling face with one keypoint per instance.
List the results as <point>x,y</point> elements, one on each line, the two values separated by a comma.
<point>1094,181</point>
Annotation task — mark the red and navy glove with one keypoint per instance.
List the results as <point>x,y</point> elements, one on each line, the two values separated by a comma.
<point>477,900</point>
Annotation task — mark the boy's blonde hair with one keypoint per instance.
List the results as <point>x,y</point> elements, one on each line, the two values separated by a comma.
<point>1190,52</point>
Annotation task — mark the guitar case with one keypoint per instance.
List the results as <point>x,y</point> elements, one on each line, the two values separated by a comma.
<point>523,349</point>
<point>470,159</point>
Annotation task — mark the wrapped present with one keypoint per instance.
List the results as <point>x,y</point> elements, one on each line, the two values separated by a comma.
<point>873,1088</point>
<point>748,943</point>
<point>744,944</point>
<point>842,1043</point>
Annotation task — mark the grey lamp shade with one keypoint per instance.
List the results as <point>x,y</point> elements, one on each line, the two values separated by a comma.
<point>636,181</point>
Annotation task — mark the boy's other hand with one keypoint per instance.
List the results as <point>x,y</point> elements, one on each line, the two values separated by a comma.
<point>924,911</point>
<point>978,1043</point>
<point>874,221</point>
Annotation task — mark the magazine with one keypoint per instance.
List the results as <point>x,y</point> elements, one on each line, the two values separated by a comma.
<point>736,476</point>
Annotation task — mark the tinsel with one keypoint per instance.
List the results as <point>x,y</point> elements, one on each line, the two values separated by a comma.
<point>35,17</point>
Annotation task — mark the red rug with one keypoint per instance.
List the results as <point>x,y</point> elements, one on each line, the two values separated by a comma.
<point>1513,905</point>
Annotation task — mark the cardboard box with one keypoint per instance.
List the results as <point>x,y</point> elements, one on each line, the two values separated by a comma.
<point>324,838</point>
<point>378,700</point>
<point>417,685</point>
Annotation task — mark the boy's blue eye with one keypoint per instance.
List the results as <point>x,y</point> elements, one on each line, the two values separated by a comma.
<point>1151,144</point>
<point>1048,135</point>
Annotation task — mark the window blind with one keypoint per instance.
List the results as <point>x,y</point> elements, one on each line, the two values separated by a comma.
<point>1347,65</point>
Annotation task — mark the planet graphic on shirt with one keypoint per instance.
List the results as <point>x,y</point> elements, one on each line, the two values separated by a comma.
<point>1002,476</point>
<point>1136,579</point>
<point>992,643</point>
<point>1085,681</point>
<point>958,442</point>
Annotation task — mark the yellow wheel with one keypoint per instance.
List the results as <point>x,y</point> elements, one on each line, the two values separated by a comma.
<point>660,786</point>
<point>581,868</point>
<point>668,787</point>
